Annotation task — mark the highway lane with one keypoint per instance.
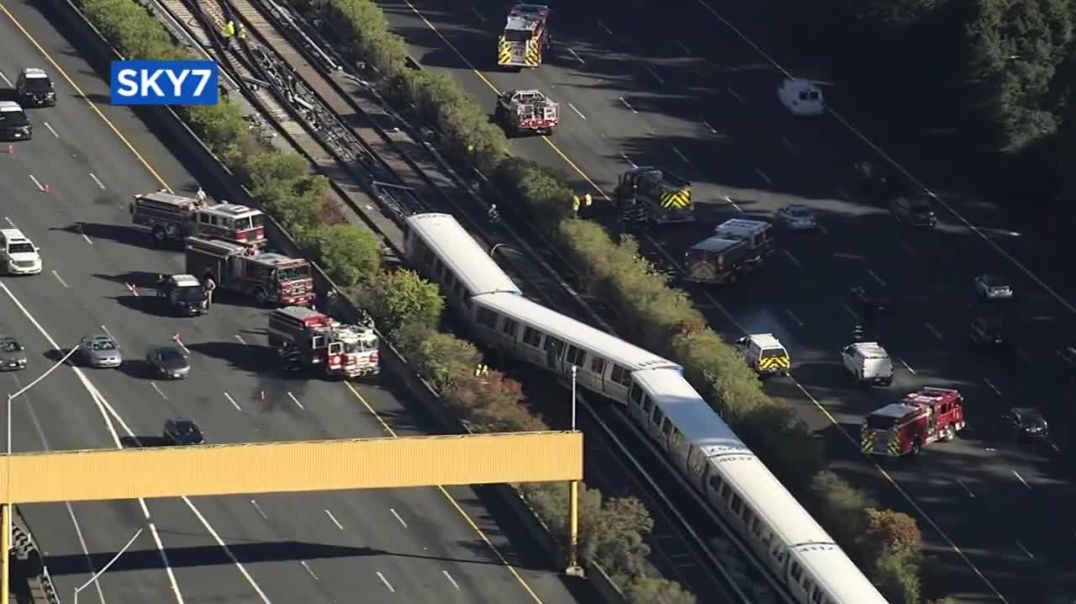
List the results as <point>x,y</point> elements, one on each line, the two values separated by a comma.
<point>94,273</point>
<point>907,259</point>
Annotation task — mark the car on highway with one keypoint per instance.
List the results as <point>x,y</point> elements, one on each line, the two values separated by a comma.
<point>1027,422</point>
<point>992,287</point>
<point>986,331</point>
<point>34,88</point>
<point>18,255</point>
<point>12,354</point>
<point>169,362</point>
<point>797,217</point>
<point>180,431</point>
<point>100,351</point>
<point>14,125</point>
<point>913,211</point>
<point>870,302</point>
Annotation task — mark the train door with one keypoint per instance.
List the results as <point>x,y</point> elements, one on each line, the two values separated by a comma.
<point>554,349</point>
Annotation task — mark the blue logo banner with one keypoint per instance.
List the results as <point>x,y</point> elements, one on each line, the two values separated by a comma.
<point>164,82</point>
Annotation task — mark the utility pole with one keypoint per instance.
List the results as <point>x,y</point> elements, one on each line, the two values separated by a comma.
<point>573,570</point>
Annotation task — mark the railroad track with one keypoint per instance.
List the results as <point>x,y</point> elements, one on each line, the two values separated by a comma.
<point>322,109</point>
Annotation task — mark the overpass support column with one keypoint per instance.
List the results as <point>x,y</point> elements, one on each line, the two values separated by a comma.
<point>5,557</point>
<point>573,570</point>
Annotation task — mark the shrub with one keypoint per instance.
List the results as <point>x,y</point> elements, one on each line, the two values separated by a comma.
<point>401,299</point>
<point>349,254</point>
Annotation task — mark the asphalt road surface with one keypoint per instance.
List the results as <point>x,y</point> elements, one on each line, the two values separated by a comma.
<point>668,84</point>
<point>388,545</point>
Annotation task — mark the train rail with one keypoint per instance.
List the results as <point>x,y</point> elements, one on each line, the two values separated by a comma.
<point>281,69</point>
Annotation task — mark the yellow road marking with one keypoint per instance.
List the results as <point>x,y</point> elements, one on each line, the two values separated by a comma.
<point>145,163</point>
<point>922,513</point>
<point>455,504</point>
<point>83,96</point>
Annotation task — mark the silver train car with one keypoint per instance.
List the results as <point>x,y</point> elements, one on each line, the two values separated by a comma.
<point>709,455</point>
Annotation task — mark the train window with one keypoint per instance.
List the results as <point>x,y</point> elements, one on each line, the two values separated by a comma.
<point>714,482</point>
<point>621,375</point>
<point>459,289</point>
<point>797,571</point>
<point>816,596</point>
<point>747,516</point>
<point>597,366</point>
<point>575,355</point>
<point>676,438</point>
<point>487,317</point>
<point>737,503</point>
<point>467,303</point>
<point>532,337</point>
<point>726,490</point>
<point>509,327</point>
<point>435,266</point>
<point>450,281</point>
<point>635,394</point>
<point>666,426</point>
<point>657,416</point>
<point>755,525</point>
<point>648,404</point>
<point>554,345</point>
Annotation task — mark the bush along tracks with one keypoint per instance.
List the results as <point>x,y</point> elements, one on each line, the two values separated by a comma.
<point>407,308</point>
<point>885,543</point>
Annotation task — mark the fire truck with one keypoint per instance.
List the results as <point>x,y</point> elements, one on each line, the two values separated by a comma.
<point>526,111</point>
<point>268,277</point>
<point>920,418</point>
<point>525,38</point>
<point>717,260</point>
<point>167,216</point>
<point>755,233</point>
<point>307,339</point>
<point>662,196</point>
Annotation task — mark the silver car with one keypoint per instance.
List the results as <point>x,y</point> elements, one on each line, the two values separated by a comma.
<point>100,351</point>
<point>797,217</point>
<point>992,287</point>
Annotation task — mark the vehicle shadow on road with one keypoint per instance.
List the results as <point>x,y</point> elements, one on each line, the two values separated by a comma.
<point>142,442</point>
<point>150,305</point>
<point>119,234</point>
<point>245,357</point>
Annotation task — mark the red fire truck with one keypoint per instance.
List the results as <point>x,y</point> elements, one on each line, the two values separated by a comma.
<point>921,418</point>
<point>268,277</point>
<point>167,216</point>
<point>305,339</point>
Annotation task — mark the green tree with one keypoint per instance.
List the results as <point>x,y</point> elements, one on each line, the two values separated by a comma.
<point>401,300</point>
<point>349,254</point>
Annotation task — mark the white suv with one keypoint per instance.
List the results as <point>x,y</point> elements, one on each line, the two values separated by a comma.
<point>18,254</point>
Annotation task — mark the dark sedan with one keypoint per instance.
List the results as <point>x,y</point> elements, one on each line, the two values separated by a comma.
<point>182,432</point>
<point>987,331</point>
<point>870,301</point>
<point>12,354</point>
<point>1027,422</point>
<point>169,362</point>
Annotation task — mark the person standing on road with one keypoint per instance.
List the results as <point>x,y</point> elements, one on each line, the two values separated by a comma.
<point>210,286</point>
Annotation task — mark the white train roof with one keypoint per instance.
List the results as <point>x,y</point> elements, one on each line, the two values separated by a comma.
<point>835,572</point>
<point>771,500</point>
<point>461,254</point>
<point>573,332</point>
<point>689,412</point>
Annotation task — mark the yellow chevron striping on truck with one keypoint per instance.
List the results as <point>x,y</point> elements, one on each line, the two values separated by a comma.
<point>676,199</point>
<point>774,363</point>
<point>534,53</point>
<point>504,52</point>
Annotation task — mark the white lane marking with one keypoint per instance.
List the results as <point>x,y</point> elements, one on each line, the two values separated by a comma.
<point>656,76</point>
<point>849,310</point>
<point>310,572</point>
<point>1021,479</point>
<point>180,343</point>
<point>605,27</point>
<point>738,98</point>
<point>992,386</point>
<point>577,111</point>
<point>933,331</point>
<point>628,105</point>
<point>107,414</point>
<point>906,366</point>
<point>6,81</point>
<point>1024,549</point>
<point>684,47</point>
<point>681,155</point>
<point>475,12</point>
<point>295,400</point>
<point>109,334</point>
<point>733,204</point>
<point>8,220</point>
<point>258,509</point>
<point>793,316</point>
<point>98,181</point>
<point>49,126</point>
<point>37,183</point>
<point>398,517</point>
<point>386,582</point>
<point>86,239</point>
<point>232,401</point>
<point>844,195</point>
<point>965,487</point>
<point>576,56</point>
<point>794,260</point>
<point>334,520</point>
<point>627,159</point>
<point>450,579</point>
<point>241,340</point>
<point>158,389</point>
<point>58,278</point>
<point>227,550</point>
<point>874,275</point>
<point>763,176</point>
<point>709,127</point>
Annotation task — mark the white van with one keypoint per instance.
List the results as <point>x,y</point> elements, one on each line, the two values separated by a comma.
<point>868,363</point>
<point>18,254</point>
<point>801,97</point>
